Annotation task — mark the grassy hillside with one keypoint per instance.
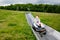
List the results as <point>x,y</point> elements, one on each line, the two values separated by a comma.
<point>13,26</point>
<point>51,19</point>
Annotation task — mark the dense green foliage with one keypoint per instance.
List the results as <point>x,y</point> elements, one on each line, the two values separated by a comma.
<point>33,7</point>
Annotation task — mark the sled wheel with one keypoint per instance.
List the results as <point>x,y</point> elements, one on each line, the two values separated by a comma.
<point>34,28</point>
<point>41,34</point>
<point>45,33</point>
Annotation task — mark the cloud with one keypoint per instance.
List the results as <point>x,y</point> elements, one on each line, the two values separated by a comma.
<point>49,1</point>
<point>7,2</point>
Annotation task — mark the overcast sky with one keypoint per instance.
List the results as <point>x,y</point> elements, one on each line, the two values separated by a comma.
<point>7,2</point>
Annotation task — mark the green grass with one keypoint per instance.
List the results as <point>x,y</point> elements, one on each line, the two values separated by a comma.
<point>50,19</point>
<point>14,26</point>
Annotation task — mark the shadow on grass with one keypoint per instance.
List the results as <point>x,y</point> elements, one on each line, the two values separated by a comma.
<point>1,21</point>
<point>12,24</point>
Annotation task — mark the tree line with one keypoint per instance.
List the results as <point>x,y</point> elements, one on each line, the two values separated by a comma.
<point>33,7</point>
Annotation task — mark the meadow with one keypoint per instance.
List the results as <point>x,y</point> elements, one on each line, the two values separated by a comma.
<point>50,19</point>
<point>14,26</point>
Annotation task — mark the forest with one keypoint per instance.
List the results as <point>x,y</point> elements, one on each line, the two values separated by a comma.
<point>33,7</point>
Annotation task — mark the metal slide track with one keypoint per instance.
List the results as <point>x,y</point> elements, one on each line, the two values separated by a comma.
<point>51,33</point>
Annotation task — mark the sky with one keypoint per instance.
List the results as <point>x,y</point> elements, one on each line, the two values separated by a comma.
<point>8,2</point>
